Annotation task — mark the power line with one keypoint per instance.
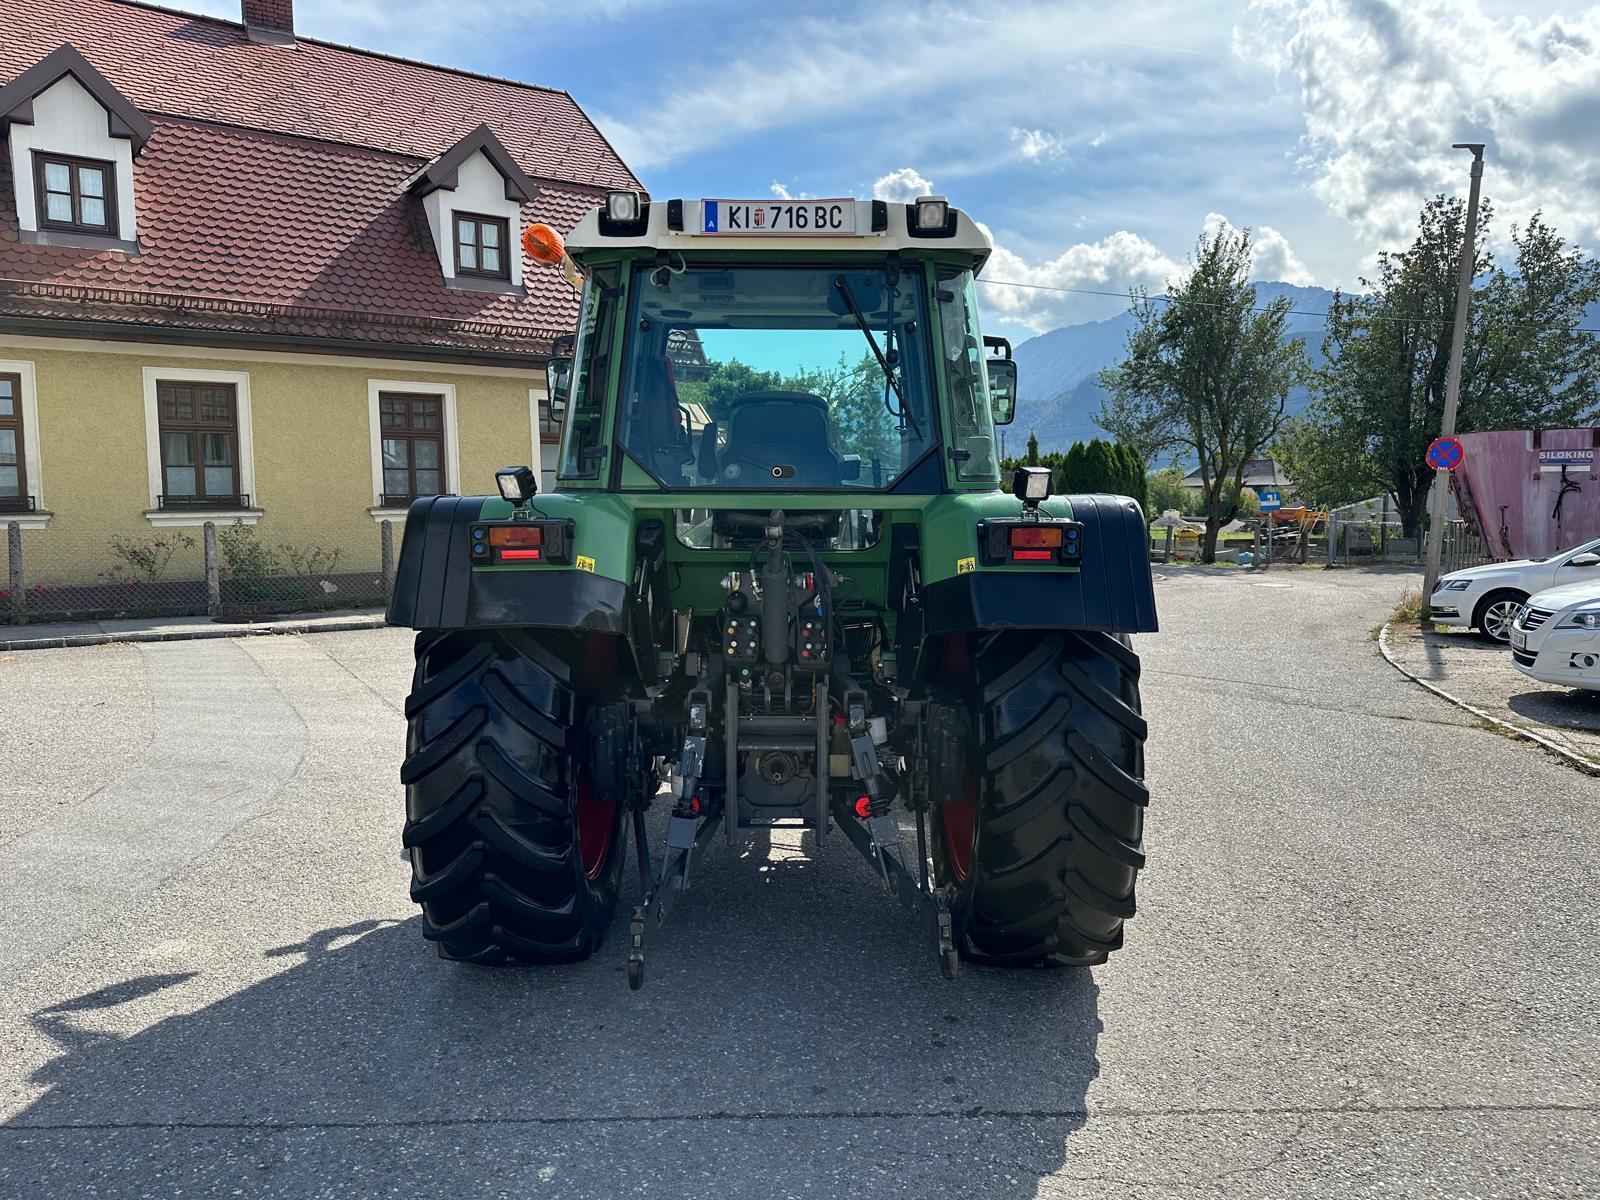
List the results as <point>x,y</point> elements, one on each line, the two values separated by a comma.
<point>1296,312</point>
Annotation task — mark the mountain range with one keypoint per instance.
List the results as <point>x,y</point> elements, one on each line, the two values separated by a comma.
<point>1058,393</point>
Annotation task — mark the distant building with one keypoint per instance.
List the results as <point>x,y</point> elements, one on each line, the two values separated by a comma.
<point>1259,474</point>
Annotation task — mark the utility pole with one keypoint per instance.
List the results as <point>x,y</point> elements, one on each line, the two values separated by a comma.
<point>1452,387</point>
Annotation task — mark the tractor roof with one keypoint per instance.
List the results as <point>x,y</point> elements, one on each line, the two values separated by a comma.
<point>703,226</point>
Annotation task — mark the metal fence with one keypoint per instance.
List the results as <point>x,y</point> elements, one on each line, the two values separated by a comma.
<point>227,572</point>
<point>1355,540</point>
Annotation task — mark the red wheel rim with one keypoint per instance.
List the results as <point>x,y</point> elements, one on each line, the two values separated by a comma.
<point>597,826</point>
<point>960,825</point>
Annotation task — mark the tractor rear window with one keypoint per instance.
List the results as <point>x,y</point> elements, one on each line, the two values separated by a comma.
<point>783,378</point>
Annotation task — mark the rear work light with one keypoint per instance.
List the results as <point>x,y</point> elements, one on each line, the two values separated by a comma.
<point>522,541</point>
<point>1025,541</point>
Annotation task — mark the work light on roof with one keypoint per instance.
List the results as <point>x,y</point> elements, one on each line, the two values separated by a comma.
<point>622,207</point>
<point>932,213</point>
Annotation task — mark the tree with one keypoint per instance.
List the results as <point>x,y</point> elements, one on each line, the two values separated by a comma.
<point>1327,469</point>
<point>1525,364</point>
<point>1166,491</point>
<point>1208,372</point>
<point>1033,449</point>
<point>1134,482</point>
<point>1104,475</point>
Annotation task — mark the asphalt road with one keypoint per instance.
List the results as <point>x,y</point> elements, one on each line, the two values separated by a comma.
<point>1364,964</point>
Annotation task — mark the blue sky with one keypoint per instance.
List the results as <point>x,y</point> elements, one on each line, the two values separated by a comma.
<point>1094,140</point>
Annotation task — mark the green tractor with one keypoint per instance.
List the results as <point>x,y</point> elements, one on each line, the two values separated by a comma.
<point>780,584</point>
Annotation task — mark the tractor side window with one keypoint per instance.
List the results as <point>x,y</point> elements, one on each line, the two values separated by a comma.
<point>971,421</point>
<point>585,452</point>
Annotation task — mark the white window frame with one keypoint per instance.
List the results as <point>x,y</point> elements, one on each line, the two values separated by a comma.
<point>29,403</point>
<point>452,443</point>
<point>193,519</point>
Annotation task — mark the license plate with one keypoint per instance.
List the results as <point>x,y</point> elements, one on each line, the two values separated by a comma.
<point>784,218</point>
<point>1519,640</point>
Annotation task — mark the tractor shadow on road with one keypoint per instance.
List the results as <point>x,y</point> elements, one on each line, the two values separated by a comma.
<point>789,1006</point>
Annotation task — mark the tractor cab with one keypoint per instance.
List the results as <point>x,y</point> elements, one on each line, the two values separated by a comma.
<point>826,346</point>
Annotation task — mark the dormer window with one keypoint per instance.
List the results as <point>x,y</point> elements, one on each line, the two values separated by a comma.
<point>77,195</point>
<point>481,246</point>
<point>473,195</point>
<point>72,138</point>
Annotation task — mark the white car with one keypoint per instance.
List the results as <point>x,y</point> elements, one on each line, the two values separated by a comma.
<point>1488,597</point>
<point>1556,636</point>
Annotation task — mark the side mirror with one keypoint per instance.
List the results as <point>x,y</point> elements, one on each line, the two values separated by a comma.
<point>1002,389</point>
<point>558,374</point>
<point>850,467</point>
<point>1584,560</point>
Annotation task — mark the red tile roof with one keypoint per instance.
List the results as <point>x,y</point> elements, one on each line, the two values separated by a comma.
<point>184,65</point>
<point>274,187</point>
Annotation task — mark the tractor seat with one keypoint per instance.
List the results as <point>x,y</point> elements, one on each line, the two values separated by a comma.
<point>781,429</point>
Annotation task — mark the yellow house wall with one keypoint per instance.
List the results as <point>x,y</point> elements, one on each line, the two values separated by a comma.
<point>311,437</point>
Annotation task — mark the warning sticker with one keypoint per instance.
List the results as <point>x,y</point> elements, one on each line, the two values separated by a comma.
<point>585,563</point>
<point>964,565</point>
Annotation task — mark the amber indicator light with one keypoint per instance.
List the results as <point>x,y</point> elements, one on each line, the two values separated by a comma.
<point>519,536</point>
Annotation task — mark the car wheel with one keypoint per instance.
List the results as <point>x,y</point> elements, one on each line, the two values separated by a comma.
<point>1495,613</point>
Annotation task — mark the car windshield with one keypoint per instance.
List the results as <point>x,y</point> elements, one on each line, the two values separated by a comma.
<point>777,377</point>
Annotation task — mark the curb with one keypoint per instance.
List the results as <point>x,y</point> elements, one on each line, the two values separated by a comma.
<point>1587,765</point>
<point>190,635</point>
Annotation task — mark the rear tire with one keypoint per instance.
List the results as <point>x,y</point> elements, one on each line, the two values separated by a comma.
<point>1058,797</point>
<point>514,859</point>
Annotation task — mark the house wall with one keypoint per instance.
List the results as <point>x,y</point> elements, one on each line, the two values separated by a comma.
<point>310,433</point>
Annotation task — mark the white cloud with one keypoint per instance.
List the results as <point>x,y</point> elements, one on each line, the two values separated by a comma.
<point>781,192</point>
<point>1004,47</point>
<point>1387,87</point>
<point>1036,145</point>
<point>1099,139</point>
<point>1117,264</point>
<point>1276,261</point>
<point>901,187</point>
<point>1024,293</point>
<point>1272,259</point>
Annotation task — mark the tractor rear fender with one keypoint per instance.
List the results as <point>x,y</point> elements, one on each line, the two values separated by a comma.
<point>1112,591</point>
<point>436,586</point>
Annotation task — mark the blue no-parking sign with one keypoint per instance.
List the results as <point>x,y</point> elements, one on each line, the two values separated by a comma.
<point>1445,454</point>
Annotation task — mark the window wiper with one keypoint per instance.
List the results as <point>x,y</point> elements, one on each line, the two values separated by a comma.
<point>840,283</point>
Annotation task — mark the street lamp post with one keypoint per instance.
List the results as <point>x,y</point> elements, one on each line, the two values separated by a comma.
<point>1452,387</point>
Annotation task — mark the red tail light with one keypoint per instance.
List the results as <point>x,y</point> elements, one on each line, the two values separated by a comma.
<point>1034,543</point>
<point>523,542</point>
<point>1030,540</point>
